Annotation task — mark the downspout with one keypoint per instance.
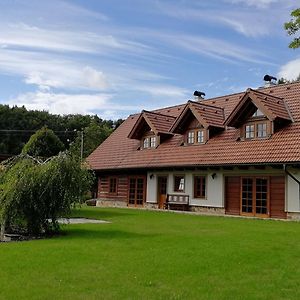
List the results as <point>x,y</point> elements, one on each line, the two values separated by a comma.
<point>293,177</point>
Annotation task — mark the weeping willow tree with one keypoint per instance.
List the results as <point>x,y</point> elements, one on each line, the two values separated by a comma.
<point>35,193</point>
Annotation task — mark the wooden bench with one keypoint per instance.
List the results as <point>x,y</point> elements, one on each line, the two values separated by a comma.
<point>177,202</point>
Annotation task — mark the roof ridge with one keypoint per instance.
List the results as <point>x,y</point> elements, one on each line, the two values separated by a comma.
<point>268,95</point>
<point>156,113</point>
<point>201,103</point>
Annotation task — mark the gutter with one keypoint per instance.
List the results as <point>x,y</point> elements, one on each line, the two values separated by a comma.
<point>293,177</point>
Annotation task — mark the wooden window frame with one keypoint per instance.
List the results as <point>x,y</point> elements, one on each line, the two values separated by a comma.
<point>152,144</point>
<point>203,177</point>
<point>115,192</point>
<point>203,136</point>
<point>267,215</point>
<point>135,196</point>
<point>194,139</point>
<point>191,137</point>
<point>255,125</point>
<point>174,187</point>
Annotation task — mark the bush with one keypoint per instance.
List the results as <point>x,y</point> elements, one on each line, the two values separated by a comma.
<point>34,194</point>
<point>44,143</point>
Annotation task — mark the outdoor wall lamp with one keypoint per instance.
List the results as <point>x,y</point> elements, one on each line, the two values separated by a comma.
<point>213,175</point>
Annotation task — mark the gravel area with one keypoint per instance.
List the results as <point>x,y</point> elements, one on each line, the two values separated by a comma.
<point>81,221</point>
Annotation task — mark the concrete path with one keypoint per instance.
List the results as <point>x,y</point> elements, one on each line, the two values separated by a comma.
<point>80,221</point>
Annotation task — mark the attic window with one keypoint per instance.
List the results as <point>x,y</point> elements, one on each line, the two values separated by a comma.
<point>149,142</point>
<point>258,113</point>
<point>195,136</point>
<point>256,130</point>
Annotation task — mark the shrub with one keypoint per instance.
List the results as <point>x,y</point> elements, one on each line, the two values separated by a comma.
<point>44,143</point>
<point>34,194</point>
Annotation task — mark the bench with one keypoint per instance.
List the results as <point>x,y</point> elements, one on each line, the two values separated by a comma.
<point>177,202</point>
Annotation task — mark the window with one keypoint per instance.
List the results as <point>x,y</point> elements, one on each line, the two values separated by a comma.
<point>256,130</point>
<point>113,185</point>
<point>199,186</point>
<point>195,136</point>
<point>149,142</point>
<point>179,183</point>
<point>200,136</point>
<point>249,130</point>
<point>146,143</point>
<point>152,142</point>
<point>191,137</point>
<point>258,113</point>
<point>261,130</point>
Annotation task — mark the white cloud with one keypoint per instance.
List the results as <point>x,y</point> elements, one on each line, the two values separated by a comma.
<point>215,48</point>
<point>32,37</point>
<point>248,21</point>
<point>256,3</point>
<point>61,103</point>
<point>49,71</point>
<point>290,70</point>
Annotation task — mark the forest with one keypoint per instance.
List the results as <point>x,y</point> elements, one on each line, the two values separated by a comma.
<point>17,124</point>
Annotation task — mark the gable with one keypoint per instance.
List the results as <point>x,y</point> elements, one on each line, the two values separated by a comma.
<point>208,116</point>
<point>272,107</point>
<point>158,123</point>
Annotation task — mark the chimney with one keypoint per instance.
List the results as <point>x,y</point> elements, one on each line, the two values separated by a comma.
<point>198,96</point>
<point>268,80</point>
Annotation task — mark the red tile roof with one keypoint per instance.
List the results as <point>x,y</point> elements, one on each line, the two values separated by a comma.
<point>119,152</point>
<point>271,106</point>
<point>207,115</point>
<point>157,122</point>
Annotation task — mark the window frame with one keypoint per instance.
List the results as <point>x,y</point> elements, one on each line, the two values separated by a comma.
<point>255,125</point>
<point>200,131</point>
<point>115,185</point>
<point>203,180</point>
<point>182,176</point>
<point>192,136</point>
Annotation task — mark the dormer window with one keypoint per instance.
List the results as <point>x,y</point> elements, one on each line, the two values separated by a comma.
<point>149,142</point>
<point>200,136</point>
<point>261,131</point>
<point>146,143</point>
<point>152,142</point>
<point>191,137</point>
<point>195,136</point>
<point>256,130</point>
<point>249,130</point>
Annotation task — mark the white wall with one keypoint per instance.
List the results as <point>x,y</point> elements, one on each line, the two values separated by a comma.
<point>292,192</point>
<point>214,187</point>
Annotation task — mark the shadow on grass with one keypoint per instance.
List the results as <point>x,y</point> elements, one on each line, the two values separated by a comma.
<point>88,233</point>
<point>100,213</point>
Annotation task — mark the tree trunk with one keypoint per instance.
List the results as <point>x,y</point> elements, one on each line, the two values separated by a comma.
<point>2,230</point>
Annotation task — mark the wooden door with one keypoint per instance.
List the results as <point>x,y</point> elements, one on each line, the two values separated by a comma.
<point>162,191</point>
<point>136,191</point>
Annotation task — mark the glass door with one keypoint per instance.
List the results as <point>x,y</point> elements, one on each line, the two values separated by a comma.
<point>261,197</point>
<point>255,196</point>
<point>136,191</point>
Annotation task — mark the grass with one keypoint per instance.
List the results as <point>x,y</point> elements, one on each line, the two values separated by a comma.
<point>156,255</point>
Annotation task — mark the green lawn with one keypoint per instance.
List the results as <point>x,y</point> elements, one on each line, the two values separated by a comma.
<point>156,255</point>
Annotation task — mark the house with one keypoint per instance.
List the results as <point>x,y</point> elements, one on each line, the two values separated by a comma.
<point>237,154</point>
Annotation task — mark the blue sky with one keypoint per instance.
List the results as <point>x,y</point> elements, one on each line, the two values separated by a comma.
<point>117,57</point>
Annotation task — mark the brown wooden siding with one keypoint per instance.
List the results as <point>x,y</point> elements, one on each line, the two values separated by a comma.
<point>277,197</point>
<point>122,188</point>
<point>232,195</point>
